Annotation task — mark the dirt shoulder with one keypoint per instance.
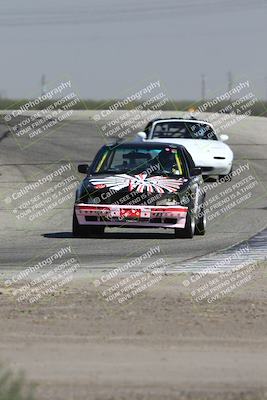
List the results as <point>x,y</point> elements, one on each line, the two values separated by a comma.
<point>162,345</point>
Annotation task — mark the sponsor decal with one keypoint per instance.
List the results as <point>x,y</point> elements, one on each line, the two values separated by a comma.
<point>130,213</point>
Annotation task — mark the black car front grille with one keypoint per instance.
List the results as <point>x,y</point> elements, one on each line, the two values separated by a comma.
<point>155,220</point>
<point>90,218</point>
<point>207,169</point>
<point>170,221</point>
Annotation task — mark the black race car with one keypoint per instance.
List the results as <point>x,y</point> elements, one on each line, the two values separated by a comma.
<point>143,185</point>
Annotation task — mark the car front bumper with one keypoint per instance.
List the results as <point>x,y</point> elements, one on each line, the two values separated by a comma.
<point>216,169</point>
<point>128,215</point>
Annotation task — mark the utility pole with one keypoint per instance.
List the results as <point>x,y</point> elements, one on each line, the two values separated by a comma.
<point>3,94</point>
<point>230,83</point>
<point>203,87</point>
<point>43,84</point>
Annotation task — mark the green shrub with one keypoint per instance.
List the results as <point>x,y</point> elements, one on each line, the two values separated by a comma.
<point>13,386</point>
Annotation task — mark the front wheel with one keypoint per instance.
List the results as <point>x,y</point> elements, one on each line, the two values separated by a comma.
<point>201,223</point>
<point>85,230</point>
<point>227,177</point>
<point>188,231</point>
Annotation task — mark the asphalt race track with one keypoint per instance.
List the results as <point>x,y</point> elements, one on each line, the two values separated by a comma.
<point>77,141</point>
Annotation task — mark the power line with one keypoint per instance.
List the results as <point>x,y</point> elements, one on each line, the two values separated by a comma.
<point>43,84</point>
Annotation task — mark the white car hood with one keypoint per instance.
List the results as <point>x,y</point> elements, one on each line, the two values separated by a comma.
<point>201,150</point>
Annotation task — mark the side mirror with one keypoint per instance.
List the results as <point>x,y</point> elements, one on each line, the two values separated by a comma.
<point>142,135</point>
<point>224,138</point>
<point>83,168</point>
<point>196,171</point>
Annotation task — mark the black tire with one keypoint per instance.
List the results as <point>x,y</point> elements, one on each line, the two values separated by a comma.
<point>77,229</point>
<point>188,231</point>
<point>96,231</point>
<point>228,176</point>
<point>201,223</point>
<point>85,230</point>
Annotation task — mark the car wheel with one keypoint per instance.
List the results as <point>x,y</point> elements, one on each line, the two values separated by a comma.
<point>95,231</point>
<point>201,223</point>
<point>188,231</point>
<point>228,177</point>
<point>85,230</point>
<point>77,229</point>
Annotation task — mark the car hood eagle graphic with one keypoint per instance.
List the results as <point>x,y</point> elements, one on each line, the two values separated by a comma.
<point>140,183</point>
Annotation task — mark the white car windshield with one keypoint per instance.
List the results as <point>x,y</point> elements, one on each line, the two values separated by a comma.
<point>183,130</point>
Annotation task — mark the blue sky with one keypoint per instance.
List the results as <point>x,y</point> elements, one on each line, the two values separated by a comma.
<point>107,47</point>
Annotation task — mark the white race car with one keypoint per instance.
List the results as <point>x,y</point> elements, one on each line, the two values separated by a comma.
<point>199,138</point>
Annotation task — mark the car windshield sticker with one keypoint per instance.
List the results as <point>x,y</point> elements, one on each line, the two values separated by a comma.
<point>141,183</point>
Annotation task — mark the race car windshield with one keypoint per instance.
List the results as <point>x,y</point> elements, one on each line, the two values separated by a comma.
<point>183,130</point>
<point>131,160</point>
